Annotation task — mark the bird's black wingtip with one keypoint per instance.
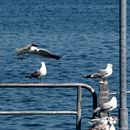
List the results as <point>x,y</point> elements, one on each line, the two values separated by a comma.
<point>86,76</point>
<point>28,76</point>
<point>59,57</point>
<point>56,57</point>
<point>34,44</point>
<point>20,58</point>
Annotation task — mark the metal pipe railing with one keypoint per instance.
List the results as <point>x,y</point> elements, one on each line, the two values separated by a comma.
<point>78,86</point>
<point>38,113</point>
<point>79,108</point>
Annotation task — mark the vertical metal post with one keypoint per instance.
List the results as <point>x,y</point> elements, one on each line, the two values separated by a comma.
<point>79,108</point>
<point>103,95</point>
<point>123,111</point>
<point>94,104</point>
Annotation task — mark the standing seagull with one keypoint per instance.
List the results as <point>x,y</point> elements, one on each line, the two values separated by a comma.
<point>33,49</point>
<point>39,73</point>
<point>108,106</point>
<point>103,73</point>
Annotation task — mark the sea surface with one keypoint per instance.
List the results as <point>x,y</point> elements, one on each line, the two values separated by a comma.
<point>85,33</point>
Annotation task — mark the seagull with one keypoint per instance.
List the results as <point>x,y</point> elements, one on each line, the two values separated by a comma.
<point>99,121</point>
<point>103,73</point>
<point>103,127</point>
<point>103,120</point>
<point>39,73</point>
<point>104,123</point>
<point>100,127</point>
<point>33,49</point>
<point>108,106</point>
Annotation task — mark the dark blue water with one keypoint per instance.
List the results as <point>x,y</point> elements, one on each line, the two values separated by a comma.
<point>85,33</point>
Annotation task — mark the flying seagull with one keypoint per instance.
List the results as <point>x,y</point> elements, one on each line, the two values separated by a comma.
<point>39,73</point>
<point>108,106</point>
<point>103,73</point>
<point>33,49</point>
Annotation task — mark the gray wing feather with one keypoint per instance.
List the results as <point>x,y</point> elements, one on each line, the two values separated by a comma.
<point>42,52</point>
<point>106,106</point>
<point>47,54</point>
<point>23,50</point>
<point>100,73</point>
<point>35,74</point>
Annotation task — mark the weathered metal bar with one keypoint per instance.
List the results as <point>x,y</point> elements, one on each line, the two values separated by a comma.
<point>117,93</point>
<point>123,111</point>
<point>50,85</point>
<point>79,108</point>
<point>38,113</point>
<point>60,85</point>
<point>128,92</point>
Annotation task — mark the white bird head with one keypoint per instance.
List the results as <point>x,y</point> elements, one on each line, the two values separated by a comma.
<point>109,65</point>
<point>32,49</point>
<point>43,64</point>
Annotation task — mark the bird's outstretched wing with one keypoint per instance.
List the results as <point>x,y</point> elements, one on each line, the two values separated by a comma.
<point>32,49</point>
<point>22,51</point>
<point>45,53</point>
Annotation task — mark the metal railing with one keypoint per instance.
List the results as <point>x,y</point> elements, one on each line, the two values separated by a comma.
<point>78,111</point>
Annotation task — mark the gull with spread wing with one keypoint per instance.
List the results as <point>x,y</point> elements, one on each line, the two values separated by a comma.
<point>33,49</point>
